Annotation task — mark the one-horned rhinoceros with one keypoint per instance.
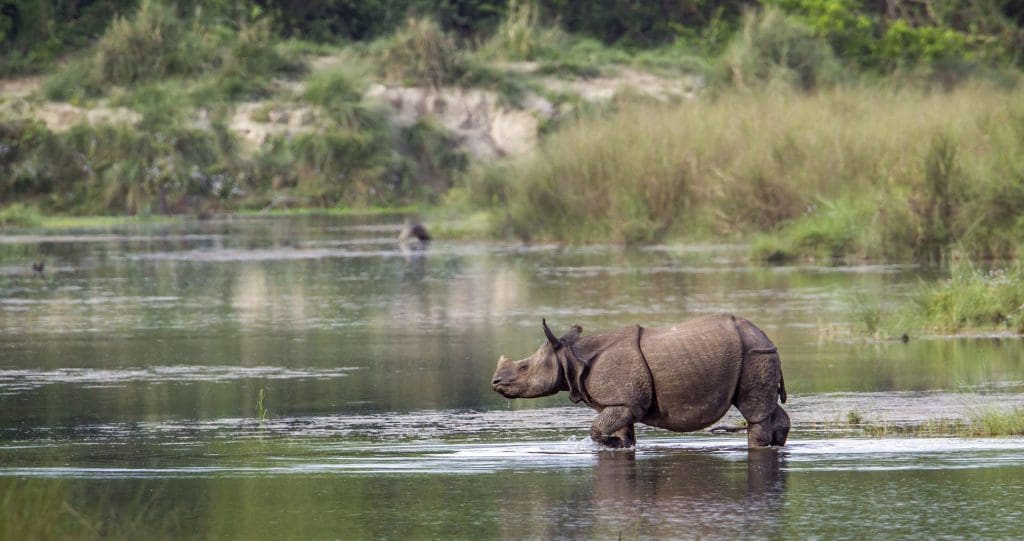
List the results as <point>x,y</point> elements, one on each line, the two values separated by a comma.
<point>681,378</point>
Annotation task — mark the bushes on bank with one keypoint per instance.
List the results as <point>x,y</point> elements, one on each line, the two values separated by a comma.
<point>842,173</point>
<point>772,48</point>
<point>154,44</point>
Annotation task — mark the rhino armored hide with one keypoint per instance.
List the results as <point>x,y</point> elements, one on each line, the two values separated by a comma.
<point>681,378</point>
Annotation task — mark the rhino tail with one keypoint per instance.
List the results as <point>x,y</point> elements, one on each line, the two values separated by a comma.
<point>782,387</point>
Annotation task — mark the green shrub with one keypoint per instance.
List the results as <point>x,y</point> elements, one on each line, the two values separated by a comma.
<point>74,82</point>
<point>936,200</point>
<point>116,169</point>
<point>143,47</point>
<point>828,230</point>
<point>160,104</point>
<point>247,62</point>
<point>772,47</point>
<point>434,155</point>
<point>21,215</point>
<point>903,44</point>
<point>421,53</point>
<point>336,92</point>
<point>522,36</point>
<point>849,29</point>
<point>153,45</point>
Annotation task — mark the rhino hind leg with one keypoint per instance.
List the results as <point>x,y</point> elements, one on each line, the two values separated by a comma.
<point>613,427</point>
<point>759,390</point>
<point>780,426</point>
<point>770,432</point>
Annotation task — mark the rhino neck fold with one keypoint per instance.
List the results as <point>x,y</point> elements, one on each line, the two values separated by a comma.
<point>574,373</point>
<point>575,368</point>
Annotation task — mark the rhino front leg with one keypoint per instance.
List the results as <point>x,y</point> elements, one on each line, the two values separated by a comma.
<point>613,427</point>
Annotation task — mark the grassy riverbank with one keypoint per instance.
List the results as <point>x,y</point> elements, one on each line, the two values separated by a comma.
<point>981,424</point>
<point>807,132</point>
<point>974,299</point>
<point>866,172</point>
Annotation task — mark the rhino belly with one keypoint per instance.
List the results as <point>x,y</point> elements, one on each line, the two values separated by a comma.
<point>695,367</point>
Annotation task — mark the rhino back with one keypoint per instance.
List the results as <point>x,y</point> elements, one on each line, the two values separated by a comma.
<point>695,367</point>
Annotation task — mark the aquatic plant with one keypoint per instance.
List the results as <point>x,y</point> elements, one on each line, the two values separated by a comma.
<point>262,413</point>
<point>998,423</point>
<point>974,296</point>
<point>985,423</point>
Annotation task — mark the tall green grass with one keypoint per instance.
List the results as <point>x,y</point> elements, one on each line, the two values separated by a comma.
<point>154,44</point>
<point>865,171</point>
<point>522,36</point>
<point>970,298</point>
<point>974,297</point>
<point>20,215</point>
<point>998,423</point>
<point>773,49</point>
<point>421,53</point>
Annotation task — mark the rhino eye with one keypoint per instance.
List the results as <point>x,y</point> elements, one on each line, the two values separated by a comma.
<point>523,368</point>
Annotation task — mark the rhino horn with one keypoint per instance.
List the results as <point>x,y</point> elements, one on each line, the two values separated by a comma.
<point>555,342</point>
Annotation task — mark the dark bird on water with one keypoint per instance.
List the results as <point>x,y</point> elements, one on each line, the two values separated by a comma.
<point>413,230</point>
<point>38,266</point>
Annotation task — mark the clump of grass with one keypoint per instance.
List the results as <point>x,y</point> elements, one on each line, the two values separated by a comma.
<point>35,509</point>
<point>421,53</point>
<point>143,47</point>
<point>829,230</point>
<point>998,423</point>
<point>161,103</point>
<point>854,417</point>
<point>929,428</point>
<point>154,44</point>
<point>984,424</point>
<point>521,36</point>
<point>74,82</point>
<point>974,298</point>
<point>20,215</point>
<point>262,413</point>
<point>339,94</point>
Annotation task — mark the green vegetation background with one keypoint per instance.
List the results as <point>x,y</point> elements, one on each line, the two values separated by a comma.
<point>823,129</point>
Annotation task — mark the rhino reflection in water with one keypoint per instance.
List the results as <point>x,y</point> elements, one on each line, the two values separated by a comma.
<point>681,378</point>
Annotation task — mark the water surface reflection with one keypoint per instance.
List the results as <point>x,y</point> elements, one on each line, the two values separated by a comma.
<point>130,372</point>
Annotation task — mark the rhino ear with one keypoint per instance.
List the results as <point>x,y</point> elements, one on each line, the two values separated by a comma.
<point>555,342</point>
<point>573,334</point>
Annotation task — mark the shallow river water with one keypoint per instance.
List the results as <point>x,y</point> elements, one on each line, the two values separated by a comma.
<point>304,378</point>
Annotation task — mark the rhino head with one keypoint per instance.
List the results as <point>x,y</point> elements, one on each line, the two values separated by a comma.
<point>541,374</point>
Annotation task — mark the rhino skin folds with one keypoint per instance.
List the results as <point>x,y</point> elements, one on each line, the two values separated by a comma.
<point>681,378</point>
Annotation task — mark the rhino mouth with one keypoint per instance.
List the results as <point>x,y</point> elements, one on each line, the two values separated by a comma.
<point>503,390</point>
